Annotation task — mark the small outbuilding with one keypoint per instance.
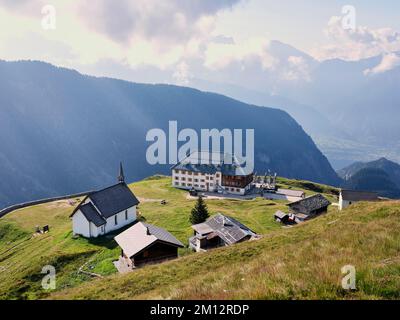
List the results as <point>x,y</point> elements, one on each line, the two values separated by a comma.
<point>349,197</point>
<point>311,206</point>
<point>285,218</point>
<point>218,231</point>
<point>144,244</point>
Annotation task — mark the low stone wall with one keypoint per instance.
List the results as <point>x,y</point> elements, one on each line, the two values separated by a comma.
<point>7,210</point>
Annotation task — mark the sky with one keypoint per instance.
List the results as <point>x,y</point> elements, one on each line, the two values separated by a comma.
<point>174,40</point>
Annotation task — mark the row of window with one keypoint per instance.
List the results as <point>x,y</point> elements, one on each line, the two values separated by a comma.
<point>183,184</point>
<point>194,173</point>
<point>191,180</point>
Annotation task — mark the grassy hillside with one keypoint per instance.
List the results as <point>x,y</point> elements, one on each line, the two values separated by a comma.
<point>299,262</point>
<point>22,256</point>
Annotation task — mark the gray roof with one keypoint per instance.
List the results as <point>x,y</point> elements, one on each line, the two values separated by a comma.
<point>291,193</point>
<point>310,204</point>
<point>162,234</point>
<point>91,214</point>
<point>113,199</point>
<point>352,195</point>
<point>227,228</point>
<point>225,169</point>
<point>107,202</point>
<point>227,164</point>
<point>141,236</point>
<point>279,214</point>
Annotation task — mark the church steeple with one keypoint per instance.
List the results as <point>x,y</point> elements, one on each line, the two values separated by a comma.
<point>121,177</point>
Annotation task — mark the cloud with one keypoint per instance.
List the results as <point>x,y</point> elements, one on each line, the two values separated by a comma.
<point>389,62</point>
<point>219,55</point>
<point>360,43</point>
<point>223,39</point>
<point>173,21</point>
<point>30,7</point>
<point>182,75</point>
<point>297,69</point>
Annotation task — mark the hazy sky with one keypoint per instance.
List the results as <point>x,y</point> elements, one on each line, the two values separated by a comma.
<point>106,37</point>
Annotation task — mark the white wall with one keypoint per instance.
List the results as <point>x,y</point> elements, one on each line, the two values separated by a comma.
<point>187,181</point>
<point>111,226</point>
<point>80,225</point>
<point>343,204</point>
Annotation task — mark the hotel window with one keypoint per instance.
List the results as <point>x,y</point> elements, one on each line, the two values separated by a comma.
<point>217,175</point>
<point>183,179</point>
<point>176,178</point>
<point>126,214</point>
<point>116,219</point>
<point>190,179</point>
<point>238,190</point>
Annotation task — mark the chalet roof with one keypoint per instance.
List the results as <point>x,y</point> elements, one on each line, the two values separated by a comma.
<point>114,199</point>
<point>310,204</point>
<point>142,235</point>
<point>352,195</point>
<point>279,214</point>
<point>211,163</point>
<point>302,216</point>
<point>106,203</point>
<point>291,193</point>
<point>91,214</point>
<point>227,228</point>
<point>202,228</point>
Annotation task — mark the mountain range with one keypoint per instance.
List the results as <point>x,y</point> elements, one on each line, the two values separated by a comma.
<point>382,176</point>
<point>350,108</point>
<point>63,132</point>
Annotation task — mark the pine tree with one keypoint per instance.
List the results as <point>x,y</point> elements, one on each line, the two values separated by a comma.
<point>199,213</point>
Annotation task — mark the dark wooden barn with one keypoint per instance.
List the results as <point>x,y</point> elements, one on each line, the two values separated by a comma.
<point>147,244</point>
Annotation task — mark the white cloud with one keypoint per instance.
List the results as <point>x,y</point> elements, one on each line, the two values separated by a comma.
<point>31,7</point>
<point>360,43</point>
<point>182,74</point>
<point>389,61</point>
<point>298,69</point>
<point>172,21</point>
<point>219,55</point>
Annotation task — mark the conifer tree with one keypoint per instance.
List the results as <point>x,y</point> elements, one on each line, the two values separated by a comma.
<point>199,213</point>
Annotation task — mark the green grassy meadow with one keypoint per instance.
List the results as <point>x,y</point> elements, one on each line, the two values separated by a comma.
<point>302,262</point>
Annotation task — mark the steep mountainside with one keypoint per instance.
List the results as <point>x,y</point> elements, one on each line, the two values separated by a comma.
<point>376,180</point>
<point>391,168</point>
<point>63,132</point>
<point>350,108</point>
